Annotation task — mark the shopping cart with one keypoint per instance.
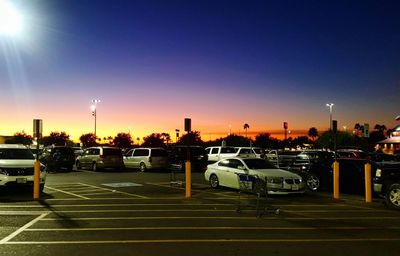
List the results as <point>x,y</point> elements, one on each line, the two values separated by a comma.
<point>252,185</point>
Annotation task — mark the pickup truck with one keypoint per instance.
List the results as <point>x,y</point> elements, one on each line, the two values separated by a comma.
<point>387,183</point>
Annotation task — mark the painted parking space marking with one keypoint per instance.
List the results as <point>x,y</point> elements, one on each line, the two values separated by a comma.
<point>66,192</point>
<point>21,229</point>
<point>115,191</point>
<point>122,184</point>
<point>213,241</point>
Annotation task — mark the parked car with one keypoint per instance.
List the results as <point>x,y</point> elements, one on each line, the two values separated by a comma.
<point>351,153</point>
<point>249,151</point>
<point>17,166</point>
<point>217,153</point>
<point>77,151</point>
<point>387,183</point>
<point>58,157</point>
<point>95,158</point>
<point>146,158</point>
<point>351,175</point>
<point>277,181</point>
<point>178,155</point>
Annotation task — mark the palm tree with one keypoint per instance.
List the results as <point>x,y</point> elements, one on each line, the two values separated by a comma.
<point>245,127</point>
<point>313,133</point>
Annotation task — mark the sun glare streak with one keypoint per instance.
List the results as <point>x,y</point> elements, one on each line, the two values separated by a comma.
<point>11,21</point>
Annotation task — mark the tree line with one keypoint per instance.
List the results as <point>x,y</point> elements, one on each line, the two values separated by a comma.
<point>125,140</point>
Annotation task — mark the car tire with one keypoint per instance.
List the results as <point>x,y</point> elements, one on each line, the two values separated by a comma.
<point>214,182</point>
<point>259,187</point>
<point>94,167</point>
<point>142,167</point>
<point>392,197</point>
<point>313,182</point>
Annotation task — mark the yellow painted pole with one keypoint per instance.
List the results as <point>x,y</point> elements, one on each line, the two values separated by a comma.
<point>336,180</point>
<point>36,180</point>
<point>188,174</point>
<point>368,190</point>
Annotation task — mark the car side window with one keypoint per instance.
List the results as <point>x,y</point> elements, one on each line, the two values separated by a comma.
<point>234,163</point>
<point>214,151</point>
<point>96,151</point>
<point>86,152</point>
<point>208,150</point>
<point>224,163</point>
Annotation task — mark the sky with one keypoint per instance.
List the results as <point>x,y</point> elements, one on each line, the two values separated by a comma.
<point>221,63</point>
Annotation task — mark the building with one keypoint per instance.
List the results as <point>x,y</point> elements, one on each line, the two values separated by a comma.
<point>391,145</point>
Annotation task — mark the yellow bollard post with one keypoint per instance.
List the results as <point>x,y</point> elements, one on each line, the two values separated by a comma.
<point>368,181</point>
<point>188,180</point>
<point>336,180</point>
<point>36,180</point>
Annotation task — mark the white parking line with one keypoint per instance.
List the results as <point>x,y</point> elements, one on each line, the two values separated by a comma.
<point>115,191</point>
<point>213,241</point>
<point>208,228</point>
<point>66,192</point>
<point>18,231</point>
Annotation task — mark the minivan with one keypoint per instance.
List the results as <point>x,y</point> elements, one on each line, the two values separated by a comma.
<point>146,158</point>
<point>57,157</point>
<point>95,158</point>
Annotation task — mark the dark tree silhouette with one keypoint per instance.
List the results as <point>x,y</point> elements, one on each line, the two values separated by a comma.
<point>55,138</point>
<point>20,138</point>
<point>313,133</point>
<point>191,138</point>
<point>123,140</point>
<point>88,140</point>
<point>246,126</point>
<point>153,140</point>
<point>166,137</point>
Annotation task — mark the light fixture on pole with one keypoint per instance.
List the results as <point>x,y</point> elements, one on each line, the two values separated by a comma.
<point>330,105</point>
<point>94,113</point>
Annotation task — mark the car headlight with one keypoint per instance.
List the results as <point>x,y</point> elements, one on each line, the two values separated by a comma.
<point>378,172</point>
<point>275,180</point>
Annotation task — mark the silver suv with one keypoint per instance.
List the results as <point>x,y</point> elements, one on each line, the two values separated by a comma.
<point>146,158</point>
<point>16,166</point>
<point>95,158</point>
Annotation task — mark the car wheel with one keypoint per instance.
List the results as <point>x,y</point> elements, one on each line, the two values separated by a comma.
<point>259,187</point>
<point>94,167</point>
<point>313,182</point>
<point>78,165</point>
<point>393,196</point>
<point>142,167</point>
<point>214,182</point>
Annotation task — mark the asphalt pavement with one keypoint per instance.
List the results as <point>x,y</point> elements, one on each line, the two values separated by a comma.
<point>133,213</point>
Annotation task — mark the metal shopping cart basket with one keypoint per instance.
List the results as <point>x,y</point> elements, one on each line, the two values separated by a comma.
<point>251,185</point>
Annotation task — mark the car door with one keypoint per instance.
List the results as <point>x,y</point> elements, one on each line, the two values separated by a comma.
<point>83,157</point>
<point>235,167</point>
<point>140,155</point>
<point>128,159</point>
<point>213,155</point>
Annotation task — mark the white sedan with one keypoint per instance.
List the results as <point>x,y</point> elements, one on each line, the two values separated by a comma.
<point>234,172</point>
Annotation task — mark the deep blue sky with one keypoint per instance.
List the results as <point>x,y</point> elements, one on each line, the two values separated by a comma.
<point>220,62</point>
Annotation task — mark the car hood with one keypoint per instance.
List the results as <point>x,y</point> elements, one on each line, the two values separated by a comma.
<point>16,163</point>
<point>274,173</point>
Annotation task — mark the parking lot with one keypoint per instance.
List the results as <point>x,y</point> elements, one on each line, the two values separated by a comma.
<point>124,213</point>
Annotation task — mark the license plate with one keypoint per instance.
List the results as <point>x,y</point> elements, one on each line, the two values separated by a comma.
<point>21,180</point>
<point>295,187</point>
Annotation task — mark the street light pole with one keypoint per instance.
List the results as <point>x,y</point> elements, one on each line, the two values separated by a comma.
<point>94,113</point>
<point>330,105</point>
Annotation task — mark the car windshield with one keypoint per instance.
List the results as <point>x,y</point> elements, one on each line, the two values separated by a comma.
<point>16,153</point>
<point>259,164</point>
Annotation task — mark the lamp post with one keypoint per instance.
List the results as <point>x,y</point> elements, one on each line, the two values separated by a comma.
<point>94,113</point>
<point>330,105</point>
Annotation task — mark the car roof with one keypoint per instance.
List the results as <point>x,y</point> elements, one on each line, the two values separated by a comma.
<point>12,146</point>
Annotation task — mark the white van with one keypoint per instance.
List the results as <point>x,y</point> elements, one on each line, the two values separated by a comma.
<point>217,153</point>
<point>146,158</point>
